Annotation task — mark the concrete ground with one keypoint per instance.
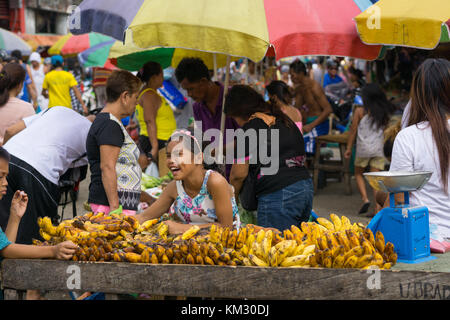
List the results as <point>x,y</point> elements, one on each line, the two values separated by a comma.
<point>331,199</point>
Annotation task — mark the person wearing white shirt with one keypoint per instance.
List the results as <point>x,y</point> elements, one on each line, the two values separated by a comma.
<point>42,148</point>
<point>37,71</point>
<point>424,145</point>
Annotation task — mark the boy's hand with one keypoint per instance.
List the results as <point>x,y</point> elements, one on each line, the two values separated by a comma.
<point>19,204</point>
<point>64,250</point>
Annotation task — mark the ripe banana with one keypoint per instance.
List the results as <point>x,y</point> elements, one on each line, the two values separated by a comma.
<point>353,239</point>
<point>288,235</point>
<point>133,257</point>
<point>257,261</point>
<point>379,241</point>
<point>368,234</point>
<point>331,239</point>
<point>345,222</point>
<point>224,238</point>
<point>258,250</point>
<point>387,265</point>
<point>207,260</point>
<point>309,249</point>
<point>231,241</point>
<point>294,261</point>
<point>44,235</point>
<point>241,238</point>
<point>378,259</point>
<point>299,250</point>
<point>364,261</point>
<point>351,262</point>
<point>336,221</point>
<point>356,251</point>
<point>338,261</point>
<point>145,256</point>
<point>260,236</point>
<point>327,262</point>
<point>336,250</point>
<point>326,223</point>
<point>190,259</point>
<point>368,248</point>
<point>250,239</point>
<point>214,236</point>
<point>389,248</point>
<point>267,242</point>
<point>392,258</point>
<point>244,250</point>
<point>192,231</point>
<point>305,227</point>
<point>322,243</point>
<point>343,240</point>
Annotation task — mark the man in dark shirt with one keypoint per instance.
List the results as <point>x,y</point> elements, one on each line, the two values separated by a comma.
<point>193,76</point>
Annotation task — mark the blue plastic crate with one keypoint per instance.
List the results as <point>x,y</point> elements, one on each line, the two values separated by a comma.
<point>409,231</point>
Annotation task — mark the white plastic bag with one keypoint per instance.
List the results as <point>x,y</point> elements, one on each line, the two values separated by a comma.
<point>152,170</point>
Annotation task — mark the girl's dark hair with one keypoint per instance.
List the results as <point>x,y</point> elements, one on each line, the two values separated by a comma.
<point>208,164</point>
<point>377,104</point>
<point>149,70</point>
<point>430,101</point>
<point>281,90</point>
<point>12,75</point>
<point>243,101</point>
<point>4,154</point>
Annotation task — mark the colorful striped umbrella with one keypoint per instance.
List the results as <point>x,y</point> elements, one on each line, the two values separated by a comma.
<point>233,27</point>
<point>10,42</point>
<point>73,44</point>
<point>408,23</point>
<point>132,58</point>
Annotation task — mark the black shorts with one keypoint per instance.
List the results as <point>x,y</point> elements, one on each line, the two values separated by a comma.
<point>145,147</point>
<point>43,197</point>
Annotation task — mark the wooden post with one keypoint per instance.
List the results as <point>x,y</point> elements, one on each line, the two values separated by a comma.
<point>215,66</point>
<point>246,70</point>
<point>222,122</point>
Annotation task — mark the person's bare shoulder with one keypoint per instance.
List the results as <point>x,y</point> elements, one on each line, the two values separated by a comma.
<point>217,183</point>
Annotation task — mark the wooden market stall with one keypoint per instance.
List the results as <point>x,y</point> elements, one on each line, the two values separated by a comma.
<point>429,280</point>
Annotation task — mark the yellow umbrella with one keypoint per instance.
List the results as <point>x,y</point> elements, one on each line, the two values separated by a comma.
<point>232,27</point>
<point>409,23</point>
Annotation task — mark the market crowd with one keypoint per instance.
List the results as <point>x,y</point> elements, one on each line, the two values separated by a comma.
<point>47,130</point>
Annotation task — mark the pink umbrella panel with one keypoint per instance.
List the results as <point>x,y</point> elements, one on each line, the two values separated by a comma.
<point>316,27</point>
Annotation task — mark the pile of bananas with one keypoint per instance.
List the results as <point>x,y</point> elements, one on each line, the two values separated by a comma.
<point>330,244</point>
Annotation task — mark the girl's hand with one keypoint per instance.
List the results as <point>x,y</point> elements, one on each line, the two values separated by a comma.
<point>64,250</point>
<point>19,204</point>
<point>347,154</point>
<point>175,227</point>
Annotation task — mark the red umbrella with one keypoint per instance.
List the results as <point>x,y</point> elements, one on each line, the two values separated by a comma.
<point>316,27</point>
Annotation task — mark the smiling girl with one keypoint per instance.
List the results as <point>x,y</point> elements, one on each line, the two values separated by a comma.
<point>197,195</point>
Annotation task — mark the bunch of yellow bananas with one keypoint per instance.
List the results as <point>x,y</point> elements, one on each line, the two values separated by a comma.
<point>340,244</point>
<point>331,244</point>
